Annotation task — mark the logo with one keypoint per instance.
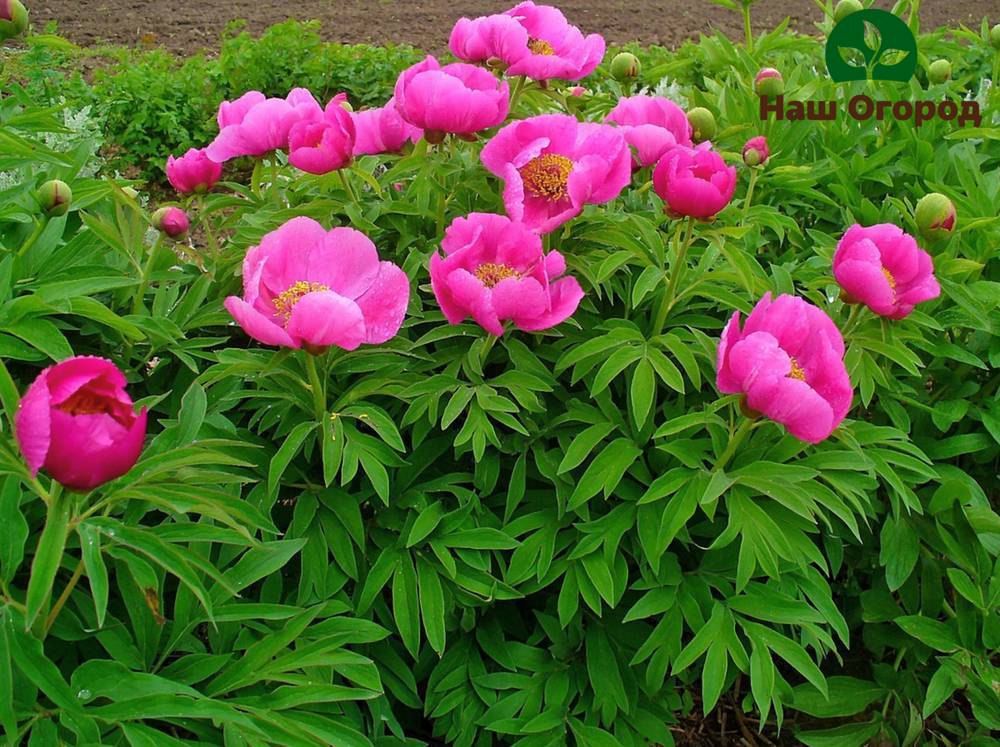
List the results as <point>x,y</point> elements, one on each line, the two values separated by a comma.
<point>871,45</point>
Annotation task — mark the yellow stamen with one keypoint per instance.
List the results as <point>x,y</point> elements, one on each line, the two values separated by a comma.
<point>490,273</point>
<point>540,46</point>
<point>890,278</point>
<point>547,176</point>
<point>287,299</point>
<point>85,403</point>
<point>797,372</point>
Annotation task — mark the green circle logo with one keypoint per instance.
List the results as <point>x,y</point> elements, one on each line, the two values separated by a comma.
<point>871,45</point>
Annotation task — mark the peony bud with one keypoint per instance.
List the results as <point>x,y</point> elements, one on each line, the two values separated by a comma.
<point>995,37</point>
<point>172,221</point>
<point>702,124</point>
<point>625,66</point>
<point>13,19</point>
<point>54,196</point>
<point>577,91</point>
<point>844,8</point>
<point>77,422</point>
<point>935,216</point>
<point>756,152</point>
<point>769,83</point>
<point>939,71</point>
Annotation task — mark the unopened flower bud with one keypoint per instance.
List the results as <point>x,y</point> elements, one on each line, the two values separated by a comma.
<point>939,71</point>
<point>756,152</point>
<point>131,192</point>
<point>935,216</point>
<point>54,197</point>
<point>702,124</point>
<point>769,83</point>
<point>625,66</point>
<point>577,91</point>
<point>495,63</point>
<point>13,19</point>
<point>995,37</point>
<point>172,221</point>
<point>844,8</point>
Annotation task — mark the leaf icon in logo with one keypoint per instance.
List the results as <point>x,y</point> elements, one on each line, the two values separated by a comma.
<point>853,57</point>
<point>893,56</point>
<point>873,38</point>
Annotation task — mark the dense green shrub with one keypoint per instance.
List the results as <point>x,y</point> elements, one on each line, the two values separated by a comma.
<point>542,539</point>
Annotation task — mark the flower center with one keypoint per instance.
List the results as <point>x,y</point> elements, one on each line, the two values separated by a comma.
<point>540,46</point>
<point>797,371</point>
<point>547,176</point>
<point>86,403</point>
<point>286,300</point>
<point>889,278</point>
<point>491,273</point>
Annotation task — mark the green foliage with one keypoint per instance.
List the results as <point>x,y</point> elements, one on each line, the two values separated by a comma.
<point>553,538</point>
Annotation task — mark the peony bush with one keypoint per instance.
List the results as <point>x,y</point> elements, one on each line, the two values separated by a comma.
<point>551,401</point>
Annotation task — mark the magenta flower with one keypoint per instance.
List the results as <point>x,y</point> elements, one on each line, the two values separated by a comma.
<point>382,130</point>
<point>254,126</point>
<point>883,268</point>
<point>193,172</point>
<point>553,165</point>
<point>555,48</point>
<point>694,181</point>
<point>305,287</point>
<point>172,221</point>
<point>756,152</point>
<point>494,269</point>
<point>652,125</point>
<point>532,40</point>
<point>789,362</point>
<point>319,146</point>
<point>457,98</point>
<point>77,422</point>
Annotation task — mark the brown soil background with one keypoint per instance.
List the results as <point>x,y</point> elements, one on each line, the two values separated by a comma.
<point>191,25</point>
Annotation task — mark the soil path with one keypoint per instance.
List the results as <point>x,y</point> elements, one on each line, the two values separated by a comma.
<point>191,25</point>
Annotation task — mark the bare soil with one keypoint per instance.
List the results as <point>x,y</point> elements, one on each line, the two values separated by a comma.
<point>188,26</point>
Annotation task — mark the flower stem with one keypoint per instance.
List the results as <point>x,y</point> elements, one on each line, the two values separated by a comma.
<point>676,269</point>
<point>734,443</point>
<point>746,25</point>
<point>274,170</point>
<point>63,598</point>
<point>348,188</point>
<point>316,385</point>
<point>518,88</point>
<point>39,227</point>
<point>146,271</point>
<point>750,187</point>
<point>853,319</point>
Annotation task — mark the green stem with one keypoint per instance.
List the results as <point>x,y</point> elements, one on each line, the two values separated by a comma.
<point>39,227</point>
<point>255,177</point>
<point>274,170</point>
<point>753,183</point>
<point>63,598</point>
<point>316,385</point>
<point>746,26</point>
<point>676,270</point>
<point>853,319</point>
<point>734,443</point>
<point>518,88</point>
<point>213,244</point>
<point>146,272</point>
<point>348,188</point>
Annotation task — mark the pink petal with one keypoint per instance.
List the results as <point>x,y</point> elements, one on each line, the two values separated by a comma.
<point>383,305</point>
<point>258,326</point>
<point>326,318</point>
<point>32,423</point>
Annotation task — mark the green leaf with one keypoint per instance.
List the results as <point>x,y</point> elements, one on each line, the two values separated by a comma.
<point>405,609</point>
<point>48,556</point>
<point>431,605</point>
<point>97,572</point>
<point>933,633</point>
<point>285,454</point>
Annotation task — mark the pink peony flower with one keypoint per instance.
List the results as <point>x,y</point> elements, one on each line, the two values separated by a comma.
<point>531,40</point>
<point>307,287</point>
<point>652,125</point>
<point>883,268</point>
<point>254,126</point>
<point>77,422</point>
<point>172,221</point>
<point>694,181</point>
<point>457,98</point>
<point>382,130</point>
<point>789,362</point>
<point>494,269</point>
<point>326,144</point>
<point>756,152</point>
<point>193,172</point>
<point>553,165</point>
